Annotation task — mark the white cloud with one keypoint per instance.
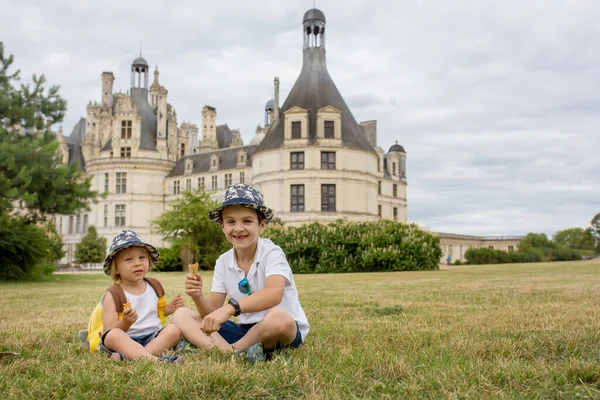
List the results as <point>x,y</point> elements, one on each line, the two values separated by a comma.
<point>496,103</point>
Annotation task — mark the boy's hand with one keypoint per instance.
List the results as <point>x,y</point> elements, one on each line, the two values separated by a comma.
<point>177,302</point>
<point>212,322</point>
<point>130,316</point>
<point>193,286</point>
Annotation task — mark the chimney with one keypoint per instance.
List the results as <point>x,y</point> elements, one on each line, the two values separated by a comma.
<point>276,101</point>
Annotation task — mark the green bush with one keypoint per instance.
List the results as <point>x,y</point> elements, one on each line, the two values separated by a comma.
<point>169,259</point>
<point>357,247</point>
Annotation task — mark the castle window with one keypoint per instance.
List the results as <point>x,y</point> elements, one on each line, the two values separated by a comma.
<point>201,182</point>
<point>188,184</point>
<point>121,183</point>
<point>379,187</point>
<point>327,160</point>
<point>105,215</point>
<point>328,198</point>
<point>126,129</point>
<point>119,214</point>
<point>228,179</point>
<point>106,182</point>
<point>213,183</point>
<point>125,152</point>
<point>71,223</point>
<point>491,247</point>
<point>60,225</point>
<point>329,129</point>
<point>78,224</point>
<point>379,210</point>
<point>393,168</point>
<point>297,160</point>
<point>176,188</point>
<point>297,200</point>
<point>85,223</point>
<point>242,158</point>
<point>395,190</point>
<point>242,177</point>
<point>511,248</point>
<point>395,214</point>
<point>183,149</point>
<point>296,129</point>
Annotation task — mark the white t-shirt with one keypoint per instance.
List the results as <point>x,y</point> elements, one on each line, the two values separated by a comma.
<point>146,307</point>
<point>269,260</point>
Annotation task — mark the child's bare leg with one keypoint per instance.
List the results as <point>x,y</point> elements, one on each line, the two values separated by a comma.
<point>189,323</point>
<point>277,327</point>
<point>166,339</point>
<point>117,340</point>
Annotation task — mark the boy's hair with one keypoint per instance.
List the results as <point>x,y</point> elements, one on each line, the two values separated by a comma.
<point>114,275</point>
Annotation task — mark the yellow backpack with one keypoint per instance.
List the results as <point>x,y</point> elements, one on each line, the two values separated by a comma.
<point>95,324</point>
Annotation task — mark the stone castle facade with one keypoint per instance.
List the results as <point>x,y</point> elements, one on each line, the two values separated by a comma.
<point>311,159</point>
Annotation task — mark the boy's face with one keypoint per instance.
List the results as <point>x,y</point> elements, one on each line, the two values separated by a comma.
<point>241,227</point>
<point>132,263</point>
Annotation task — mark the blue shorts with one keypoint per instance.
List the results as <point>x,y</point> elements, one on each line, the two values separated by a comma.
<point>142,339</point>
<point>232,332</point>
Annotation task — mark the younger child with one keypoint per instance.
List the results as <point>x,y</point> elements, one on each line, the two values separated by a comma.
<point>258,280</point>
<point>139,333</point>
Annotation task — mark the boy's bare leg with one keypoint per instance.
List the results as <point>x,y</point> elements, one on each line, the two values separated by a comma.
<point>166,339</point>
<point>189,323</point>
<point>117,340</point>
<point>277,327</point>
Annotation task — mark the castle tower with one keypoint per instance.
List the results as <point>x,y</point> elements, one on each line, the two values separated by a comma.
<point>209,129</point>
<point>108,80</point>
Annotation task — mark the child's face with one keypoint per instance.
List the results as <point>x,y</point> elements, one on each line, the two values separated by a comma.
<point>132,263</point>
<point>241,227</point>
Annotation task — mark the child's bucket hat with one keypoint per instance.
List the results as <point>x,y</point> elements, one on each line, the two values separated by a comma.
<point>240,194</point>
<point>128,238</point>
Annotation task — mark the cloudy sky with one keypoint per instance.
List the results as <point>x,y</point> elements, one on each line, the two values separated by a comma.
<point>497,103</point>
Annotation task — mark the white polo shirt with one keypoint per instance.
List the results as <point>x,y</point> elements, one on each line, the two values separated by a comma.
<point>268,260</point>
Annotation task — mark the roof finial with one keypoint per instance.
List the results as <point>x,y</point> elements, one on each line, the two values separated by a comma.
<point>141,48</point>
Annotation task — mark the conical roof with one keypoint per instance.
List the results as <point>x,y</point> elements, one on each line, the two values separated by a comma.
<point>313,90</point>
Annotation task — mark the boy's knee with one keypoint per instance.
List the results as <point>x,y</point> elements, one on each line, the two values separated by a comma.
<point>172,330</point>
<point>181,314</point>
<point>279,320</point>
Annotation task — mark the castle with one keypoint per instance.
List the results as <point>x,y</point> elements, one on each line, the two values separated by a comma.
<point>311,159</point>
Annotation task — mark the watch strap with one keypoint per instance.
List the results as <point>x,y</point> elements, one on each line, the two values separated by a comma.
<point>236,306</point>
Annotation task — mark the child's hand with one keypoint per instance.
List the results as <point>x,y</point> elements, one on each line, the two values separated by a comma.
<point>130,316</point>
<point>212,322</point>
<point>177,301</point>
<point>193,286</point>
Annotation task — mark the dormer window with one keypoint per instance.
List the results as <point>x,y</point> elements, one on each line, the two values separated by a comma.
<point>296,129</point>
<point>329,129</point>
<point>182,149</point>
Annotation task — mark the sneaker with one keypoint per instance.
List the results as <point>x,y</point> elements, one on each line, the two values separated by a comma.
<point>185,347</point>
<point>82,335</point>
<point>171,359</point>
<point>252,354</point>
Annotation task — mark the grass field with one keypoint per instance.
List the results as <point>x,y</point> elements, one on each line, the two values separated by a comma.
<point>503,331</point>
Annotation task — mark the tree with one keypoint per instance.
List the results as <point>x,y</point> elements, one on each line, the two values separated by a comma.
<point>91,249</point>
<point>536,240</point>
<point>186,224</point>
<point>575,238</point>
<point>34,182</point>
<point>595,228</point>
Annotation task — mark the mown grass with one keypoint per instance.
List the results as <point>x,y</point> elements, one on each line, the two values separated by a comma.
<point>503,331</point>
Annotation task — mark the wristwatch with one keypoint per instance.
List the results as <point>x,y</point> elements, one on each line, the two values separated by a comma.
<point>236,306</point>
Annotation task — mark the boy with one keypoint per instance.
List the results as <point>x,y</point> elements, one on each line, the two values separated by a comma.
<point>258,279</point>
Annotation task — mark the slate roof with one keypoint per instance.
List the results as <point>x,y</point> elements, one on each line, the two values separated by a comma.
<point>139,97</point>
<point>224,136</point>
<point>227,160</point>
<point>313,90</point>
<point>74,142</point>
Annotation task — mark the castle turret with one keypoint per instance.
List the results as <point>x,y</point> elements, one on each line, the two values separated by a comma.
<point>209,129</point>
<point>108,80</point>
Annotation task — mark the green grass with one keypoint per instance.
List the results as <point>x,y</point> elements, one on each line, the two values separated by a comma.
<point>503,331</point>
